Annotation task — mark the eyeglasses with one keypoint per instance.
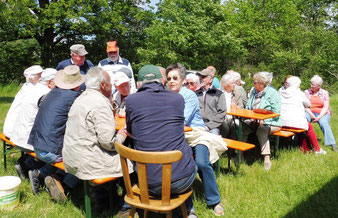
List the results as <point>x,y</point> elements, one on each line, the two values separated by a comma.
<point>256,82</point>
<point>174,78</point>
<point>191,83</point>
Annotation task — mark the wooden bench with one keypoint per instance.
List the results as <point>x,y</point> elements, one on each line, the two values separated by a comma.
<point>9,145</point>
<point>235,145</point>
<point>281,133</point>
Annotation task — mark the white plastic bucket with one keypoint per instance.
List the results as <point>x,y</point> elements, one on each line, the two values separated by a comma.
<point>9,192</point>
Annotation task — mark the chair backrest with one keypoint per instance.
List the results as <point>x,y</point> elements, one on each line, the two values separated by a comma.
<point>166,158</point>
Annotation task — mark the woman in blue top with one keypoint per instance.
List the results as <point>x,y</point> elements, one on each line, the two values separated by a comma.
<point>192,117</point>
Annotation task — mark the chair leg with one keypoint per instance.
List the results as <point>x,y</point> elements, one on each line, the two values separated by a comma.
<point>132,212</point>
<point>184,210</point>
<point>169,214</point>
<point>145,213</point>
<point>88,206</point>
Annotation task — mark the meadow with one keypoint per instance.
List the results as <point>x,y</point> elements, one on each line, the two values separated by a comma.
<point>297,185</point>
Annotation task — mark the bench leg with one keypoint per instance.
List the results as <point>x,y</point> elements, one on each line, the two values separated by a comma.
<point>218,167</point>
<point>88,206</point>
<point>276,146</point>
<point>4,156</point>
<point>239,154</point>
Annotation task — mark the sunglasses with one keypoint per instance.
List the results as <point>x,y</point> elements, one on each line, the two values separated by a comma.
<point>191,83</point>
<point>174,78</point>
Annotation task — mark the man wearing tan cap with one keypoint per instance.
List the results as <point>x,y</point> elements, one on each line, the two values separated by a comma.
<point>49,128</point>
<point>78,57</point>
<point>116,62</point>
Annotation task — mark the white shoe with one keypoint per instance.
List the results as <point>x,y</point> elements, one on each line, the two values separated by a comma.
<point>321,151</point>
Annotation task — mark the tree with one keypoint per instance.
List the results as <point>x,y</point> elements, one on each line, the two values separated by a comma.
<point>193,32</point>
<point>54,23</point>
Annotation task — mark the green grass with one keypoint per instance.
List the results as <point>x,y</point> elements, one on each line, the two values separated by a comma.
<point>297,185</point>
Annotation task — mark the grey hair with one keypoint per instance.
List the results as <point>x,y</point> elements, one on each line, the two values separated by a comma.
<point>194,77</point>
<point>31,77</point>
<point>227,78</point>
<point>236,75</point>
<point>141,83</point>
<point>94,76</point>
<point>179,67</point>
<point>317,80</point>
<point>294,81</point>
<point>263,77</point>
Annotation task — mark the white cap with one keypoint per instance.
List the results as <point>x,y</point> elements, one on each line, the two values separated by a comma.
<point>35,69</point>
<point>120,78</point>
<point>48,74</point>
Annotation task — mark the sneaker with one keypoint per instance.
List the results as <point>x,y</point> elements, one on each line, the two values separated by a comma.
<point>267,166</point>
<point>321,151</point>
<point>124,213</point>
<point>55,189</point>
<point>34,181</point>
<point>334,148</point>
<point>19,171</point>
<point>219,210</point>
<point>192,214</point>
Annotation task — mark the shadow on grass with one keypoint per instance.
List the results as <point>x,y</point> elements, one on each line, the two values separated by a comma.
<point>6,100</point>
<point>321,204</point>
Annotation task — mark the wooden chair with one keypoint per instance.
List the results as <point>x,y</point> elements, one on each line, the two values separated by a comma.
<point>138,195</point>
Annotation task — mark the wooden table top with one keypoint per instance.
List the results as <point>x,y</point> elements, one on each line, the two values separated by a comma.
<point>250,114</point>
<point>120,122</point>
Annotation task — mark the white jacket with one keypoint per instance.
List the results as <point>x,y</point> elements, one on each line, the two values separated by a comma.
<point>293,106</point>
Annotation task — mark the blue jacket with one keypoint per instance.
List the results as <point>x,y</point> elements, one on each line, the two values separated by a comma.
<point>50,122</point>
<point>156,120</point>
<point>83,69</point>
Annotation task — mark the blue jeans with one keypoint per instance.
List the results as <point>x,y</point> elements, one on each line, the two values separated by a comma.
<point>207,175</point>
<point>47,170</point>
<point>178,187</point>
<point>215,131</point>
<point>324,124</point>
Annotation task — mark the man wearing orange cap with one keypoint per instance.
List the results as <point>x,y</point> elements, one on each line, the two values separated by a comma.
<point>115,63</point>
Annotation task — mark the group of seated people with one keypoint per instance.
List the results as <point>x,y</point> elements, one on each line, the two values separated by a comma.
<point>68,115</point>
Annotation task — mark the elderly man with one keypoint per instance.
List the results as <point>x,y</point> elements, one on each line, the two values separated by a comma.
<point>48,131</point>
<point>212,102</point>
<point>155,118</point>
<point>78,57</point>
<point>116,62</point>
<point>88,149</point>
<point>215,81</point>
<point>122,85</point>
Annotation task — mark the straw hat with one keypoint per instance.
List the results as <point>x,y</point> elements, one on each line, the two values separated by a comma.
<point>69,78</point>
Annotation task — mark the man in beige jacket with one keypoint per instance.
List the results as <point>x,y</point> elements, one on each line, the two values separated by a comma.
<point>88,149</point>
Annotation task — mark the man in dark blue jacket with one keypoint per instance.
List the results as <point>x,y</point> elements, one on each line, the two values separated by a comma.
<point>156,121</point>
<point>49,129</point>
<point>78,57</point>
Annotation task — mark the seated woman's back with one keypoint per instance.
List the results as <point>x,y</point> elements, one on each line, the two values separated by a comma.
<point>293,103</point>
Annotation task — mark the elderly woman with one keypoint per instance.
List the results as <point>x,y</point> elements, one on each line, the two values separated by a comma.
<point>294,103</point>
<point>263,96</point>
<point>320,109</point>
<point>192,82</point>
<point>232,99</point>
<point>206,146</point>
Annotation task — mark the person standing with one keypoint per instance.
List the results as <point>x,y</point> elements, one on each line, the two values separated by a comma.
<point>116,62</point>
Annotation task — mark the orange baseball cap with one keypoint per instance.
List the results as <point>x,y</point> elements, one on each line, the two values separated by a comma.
<point>112,46</point>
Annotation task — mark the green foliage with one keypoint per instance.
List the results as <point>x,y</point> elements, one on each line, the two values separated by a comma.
<point>14,57</point>
<point>194,33</point>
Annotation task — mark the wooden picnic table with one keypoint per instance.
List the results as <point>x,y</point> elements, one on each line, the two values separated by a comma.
<point>121,122</point>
